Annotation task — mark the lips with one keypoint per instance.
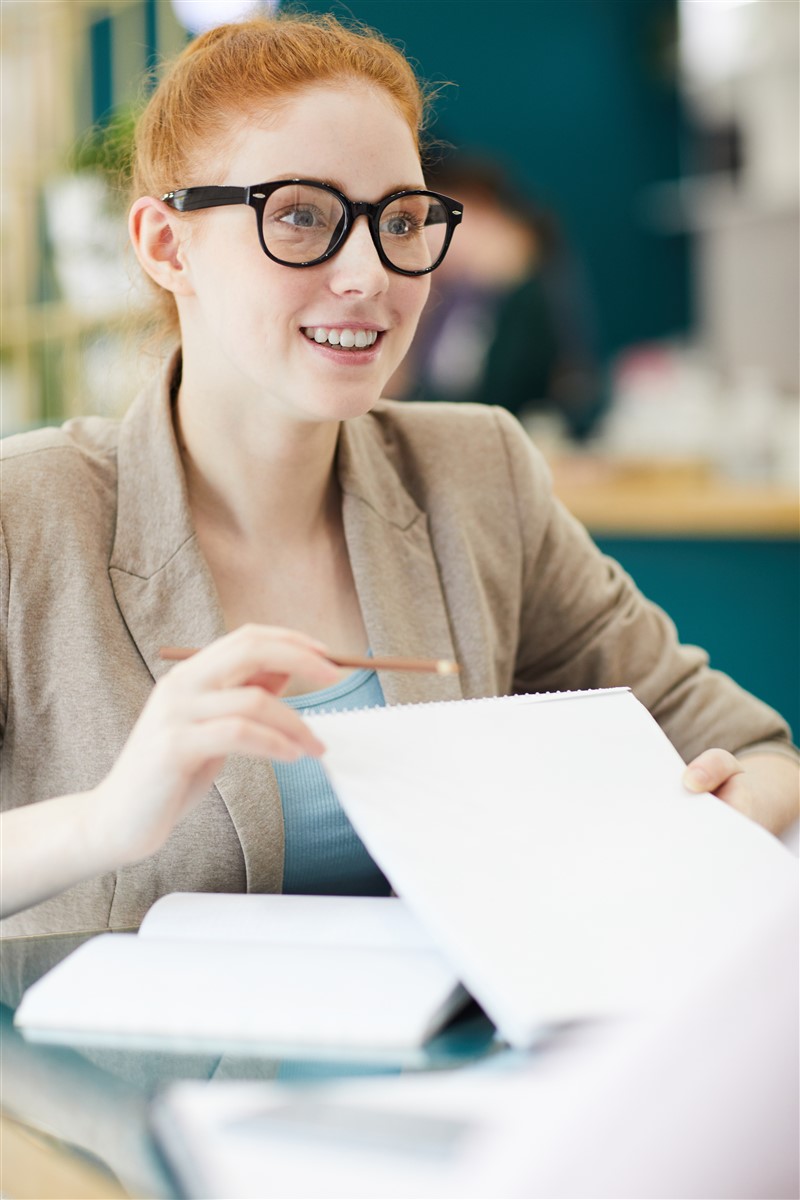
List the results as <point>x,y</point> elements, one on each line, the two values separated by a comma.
<point>345,338</point>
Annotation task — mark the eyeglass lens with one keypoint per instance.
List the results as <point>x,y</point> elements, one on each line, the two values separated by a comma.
<point>302,222</point>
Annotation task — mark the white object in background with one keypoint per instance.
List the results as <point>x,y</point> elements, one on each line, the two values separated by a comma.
<point>199,15</point>
<point>751,433</point>
<point>787,461</point>
<point>89,241</point>
<point>665,406</point>
<point>714,40</point>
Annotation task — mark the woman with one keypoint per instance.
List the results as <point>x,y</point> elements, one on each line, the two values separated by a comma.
<point>261,485</point>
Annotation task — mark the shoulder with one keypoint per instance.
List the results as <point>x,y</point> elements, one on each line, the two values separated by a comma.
<point>440,418</point>
<point>54,477</point>
<point>479,443</point>
<point>82,444</point>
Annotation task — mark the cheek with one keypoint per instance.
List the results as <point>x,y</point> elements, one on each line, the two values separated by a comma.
<point>411,297</point>
<point>244,293</point>
<point>421,291</point>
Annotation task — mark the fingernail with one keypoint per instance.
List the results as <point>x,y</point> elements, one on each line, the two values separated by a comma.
<point>696,779</point>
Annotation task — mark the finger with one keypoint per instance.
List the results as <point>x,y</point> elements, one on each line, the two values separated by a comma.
<point>254,704</point>
<point>736,792</point>
<point>710,770</point>
<point>218,738</point>
<point>255,650</point>
<point>270,681</point>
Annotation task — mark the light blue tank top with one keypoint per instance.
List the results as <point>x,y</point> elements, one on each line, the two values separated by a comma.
<point>323,853</point>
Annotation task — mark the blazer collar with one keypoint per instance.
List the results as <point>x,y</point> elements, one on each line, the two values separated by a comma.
<point>393,563</point>
<point>161,580</point>
<point>166,591</point>
<point>167,596</point>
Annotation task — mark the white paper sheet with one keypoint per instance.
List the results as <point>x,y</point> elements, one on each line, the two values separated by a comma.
<point>548,845</point>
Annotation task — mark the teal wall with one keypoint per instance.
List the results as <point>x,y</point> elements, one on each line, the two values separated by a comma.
<point>577,96</point>
<point>737,598</point>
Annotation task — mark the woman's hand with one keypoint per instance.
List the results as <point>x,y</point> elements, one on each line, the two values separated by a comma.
<point>763,786</point>
<point>223,700</point>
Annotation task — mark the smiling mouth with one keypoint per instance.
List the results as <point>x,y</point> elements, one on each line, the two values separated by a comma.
<point>346,339</point>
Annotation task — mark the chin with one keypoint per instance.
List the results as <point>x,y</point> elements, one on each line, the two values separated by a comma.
<point>325,400</point>
<point>343,407</point>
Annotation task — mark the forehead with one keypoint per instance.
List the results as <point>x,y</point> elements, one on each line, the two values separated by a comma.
<point>349,134</point>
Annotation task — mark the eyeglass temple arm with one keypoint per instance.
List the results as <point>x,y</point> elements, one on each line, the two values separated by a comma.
<point>186,199</point>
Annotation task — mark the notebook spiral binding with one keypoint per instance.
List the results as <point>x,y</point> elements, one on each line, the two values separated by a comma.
<point>531,697</point>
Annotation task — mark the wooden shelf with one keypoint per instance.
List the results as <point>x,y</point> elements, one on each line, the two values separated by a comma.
<point>68,64</point>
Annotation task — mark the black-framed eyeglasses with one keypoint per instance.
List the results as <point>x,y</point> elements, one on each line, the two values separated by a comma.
<point>302,222</point>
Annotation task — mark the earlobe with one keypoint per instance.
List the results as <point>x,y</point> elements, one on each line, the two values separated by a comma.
<point>155,233</point>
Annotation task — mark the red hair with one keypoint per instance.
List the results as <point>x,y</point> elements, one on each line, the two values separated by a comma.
<point>236,69</point>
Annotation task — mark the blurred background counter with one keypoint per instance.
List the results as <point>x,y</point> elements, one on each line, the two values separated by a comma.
<point>655,498</point>
<point>721,556</point>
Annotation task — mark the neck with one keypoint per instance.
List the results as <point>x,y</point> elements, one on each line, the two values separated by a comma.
<point>267,482</point>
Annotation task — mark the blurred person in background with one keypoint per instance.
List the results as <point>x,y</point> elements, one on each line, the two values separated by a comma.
<point>509,320</point>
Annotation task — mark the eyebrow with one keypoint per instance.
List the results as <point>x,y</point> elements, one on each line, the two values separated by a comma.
<point>336,183</point>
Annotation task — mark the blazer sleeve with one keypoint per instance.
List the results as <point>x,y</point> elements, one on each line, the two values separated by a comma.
<point>585,624</point>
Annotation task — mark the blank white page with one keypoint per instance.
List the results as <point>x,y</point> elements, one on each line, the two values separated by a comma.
<point>549,846</point>
<point>379,921</point>
<point>121,989</point>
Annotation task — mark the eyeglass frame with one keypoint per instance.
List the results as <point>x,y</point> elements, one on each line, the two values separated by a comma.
<point>256,196</point>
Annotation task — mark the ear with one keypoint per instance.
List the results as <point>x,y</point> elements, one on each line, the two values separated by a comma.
<point>157,234</point>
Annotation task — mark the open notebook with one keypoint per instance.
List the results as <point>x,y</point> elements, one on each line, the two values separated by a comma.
<point>544,843</point>
<point>302,974</point>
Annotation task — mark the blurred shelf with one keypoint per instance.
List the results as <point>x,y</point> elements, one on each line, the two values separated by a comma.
<point>660,500</point>
<point>57,321</point>
<point>70,64</point>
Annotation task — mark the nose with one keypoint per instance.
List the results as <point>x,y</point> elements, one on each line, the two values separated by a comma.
<point>356,267</point>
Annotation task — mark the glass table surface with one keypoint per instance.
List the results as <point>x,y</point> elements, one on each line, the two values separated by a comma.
<point>75,1121</point>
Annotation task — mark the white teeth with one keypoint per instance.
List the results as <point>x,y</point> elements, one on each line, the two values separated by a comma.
<point>358,339</point>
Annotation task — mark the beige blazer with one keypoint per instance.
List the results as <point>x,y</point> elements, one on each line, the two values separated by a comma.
<point>458,550</point>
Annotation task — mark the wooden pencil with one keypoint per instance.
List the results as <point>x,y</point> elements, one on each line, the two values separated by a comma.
<point>435,666</point>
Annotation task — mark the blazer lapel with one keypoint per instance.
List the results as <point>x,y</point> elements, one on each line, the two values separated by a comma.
<point>393,564</point>
<point>167,596</point>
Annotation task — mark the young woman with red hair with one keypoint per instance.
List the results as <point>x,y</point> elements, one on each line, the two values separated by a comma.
<point>262,501</point>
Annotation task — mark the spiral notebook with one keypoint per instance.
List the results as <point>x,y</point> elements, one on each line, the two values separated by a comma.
<point>544,846</point>
<point>549,847</point>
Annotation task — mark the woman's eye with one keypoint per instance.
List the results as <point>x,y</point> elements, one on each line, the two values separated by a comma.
<point>401,225</point>
<point>301,218</point>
